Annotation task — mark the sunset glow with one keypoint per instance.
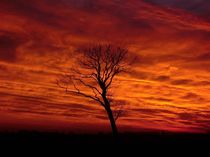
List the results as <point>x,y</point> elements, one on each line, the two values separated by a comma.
<point>166,89</point>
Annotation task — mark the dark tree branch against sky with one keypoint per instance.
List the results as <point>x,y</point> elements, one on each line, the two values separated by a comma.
<point>95,69</point>
<point>166,89</point>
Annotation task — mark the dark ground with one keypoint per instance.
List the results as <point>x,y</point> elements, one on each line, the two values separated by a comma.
<point>134,144</point>
<point>144,139</point>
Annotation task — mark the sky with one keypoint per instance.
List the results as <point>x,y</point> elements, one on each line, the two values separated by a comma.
<point>166,89</point>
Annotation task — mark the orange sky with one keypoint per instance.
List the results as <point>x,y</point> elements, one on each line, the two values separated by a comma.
<point>167,89</point>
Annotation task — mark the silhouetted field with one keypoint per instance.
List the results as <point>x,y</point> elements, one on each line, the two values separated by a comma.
<point>65,139</point>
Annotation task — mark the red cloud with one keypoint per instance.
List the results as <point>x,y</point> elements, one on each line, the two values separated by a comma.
<point>38,40</point>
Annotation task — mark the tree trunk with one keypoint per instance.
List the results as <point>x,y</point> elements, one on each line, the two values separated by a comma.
<point>112,122</point>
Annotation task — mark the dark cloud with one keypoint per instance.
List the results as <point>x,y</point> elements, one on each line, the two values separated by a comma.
<point>44,106</point>
<point>200,7</point>
<point>162,78</point>
<point>159,99</point>
<point>141,74</point>
<point>187,116</point>
<point>9,42</point>
<point>72,16</point>
<point>194,97</point>
<point>197,63</point>
<point>101,117</point>
<point>181,82</point>
<point>204,123</point>
<point>152,111</point>
<point>32,10</point>
<point>202,83</point>
<point>190,96</point>
<point>202,57</point>
<point>184,58</point>
<point>194,119</point>
<point>145,60</point>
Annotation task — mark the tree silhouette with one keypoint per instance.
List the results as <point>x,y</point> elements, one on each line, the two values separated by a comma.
<point>96,69</point>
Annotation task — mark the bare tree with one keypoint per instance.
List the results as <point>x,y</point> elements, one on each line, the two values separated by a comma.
<point>96,69</point>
